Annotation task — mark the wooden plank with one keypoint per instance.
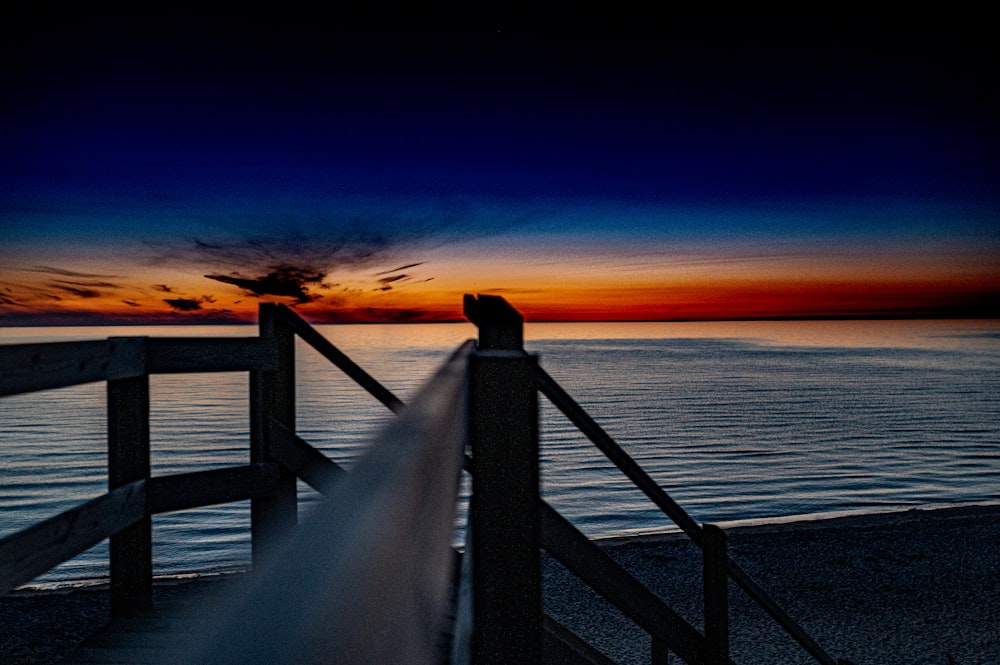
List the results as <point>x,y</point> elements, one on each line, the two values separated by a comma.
<point>591,564</point>
<point>275,516</point>
<point>131,550</point>
<point>659,653</point>
<point>33,551</point>
<point>207,488</point>
<point>716,594</point>
<point>309,464</point>
<point>324,347</point>
<point>30,367</point>
<point>372,563</point>
<point>217,354</point>
<point>506,560</point>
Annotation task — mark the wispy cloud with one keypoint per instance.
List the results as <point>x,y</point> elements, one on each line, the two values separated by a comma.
<point>79,292</point>
<point>86,284</point>
<point>406,267</point>
<point>49,270</point>
<point>387,283</point>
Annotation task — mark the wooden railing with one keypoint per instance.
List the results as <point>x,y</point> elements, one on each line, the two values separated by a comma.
<point>373,561</point>
<point>276,455</point>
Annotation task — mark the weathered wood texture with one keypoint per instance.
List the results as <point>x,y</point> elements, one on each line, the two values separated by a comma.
<point>371,566</point>
<point>29,553</point>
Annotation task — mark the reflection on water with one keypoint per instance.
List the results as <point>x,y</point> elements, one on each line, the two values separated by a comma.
<point>736,420</point>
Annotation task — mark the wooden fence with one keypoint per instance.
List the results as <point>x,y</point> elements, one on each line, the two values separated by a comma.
<point>375,555</point>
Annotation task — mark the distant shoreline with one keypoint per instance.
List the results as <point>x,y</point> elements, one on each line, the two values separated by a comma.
<point>828,520</point>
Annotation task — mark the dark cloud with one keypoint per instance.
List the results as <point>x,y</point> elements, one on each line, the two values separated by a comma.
<point>4,300</point>
<point>183,304</point>
<point>285,280</point>
<point>131,304</point>
<point>90,285</point>
<point>406,267</point>
<point>163,288</point>
<point>79,292</point>
<point>49,270</point>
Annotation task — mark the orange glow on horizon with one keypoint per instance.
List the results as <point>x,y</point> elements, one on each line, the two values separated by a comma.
<point>574,286</point>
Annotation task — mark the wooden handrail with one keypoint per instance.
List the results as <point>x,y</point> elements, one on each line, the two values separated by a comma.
<point>46,365</point>
<point>377,547</point>
<point>173,355</point>
<point>125,363</point>
<point>32,367</point>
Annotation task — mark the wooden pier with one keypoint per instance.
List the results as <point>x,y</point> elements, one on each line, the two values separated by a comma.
<point>369,576</point>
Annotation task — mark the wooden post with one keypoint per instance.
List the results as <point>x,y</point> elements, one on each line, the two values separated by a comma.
<point>128,460</point>
<point>716,583</point>
<point>660,655</point>
<point>506,533</point>
<point>272,395</point>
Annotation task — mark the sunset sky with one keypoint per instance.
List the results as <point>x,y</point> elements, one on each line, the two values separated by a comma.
<point>183,169</point>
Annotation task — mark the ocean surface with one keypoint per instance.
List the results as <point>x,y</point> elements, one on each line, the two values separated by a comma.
<point>738,421</point>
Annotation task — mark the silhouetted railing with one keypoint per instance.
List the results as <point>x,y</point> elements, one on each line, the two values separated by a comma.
<point>375,554</point>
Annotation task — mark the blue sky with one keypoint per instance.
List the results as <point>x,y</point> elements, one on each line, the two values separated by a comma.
<point>163,150</point>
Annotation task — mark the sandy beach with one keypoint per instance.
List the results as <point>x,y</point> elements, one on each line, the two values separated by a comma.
<point>920,586</point>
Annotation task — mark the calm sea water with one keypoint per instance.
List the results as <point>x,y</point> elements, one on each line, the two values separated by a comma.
<point>737,421</point>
